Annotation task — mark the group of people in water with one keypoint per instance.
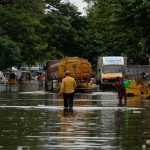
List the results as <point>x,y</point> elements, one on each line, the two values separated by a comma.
<point>25,76</point>
<point>68,87</point>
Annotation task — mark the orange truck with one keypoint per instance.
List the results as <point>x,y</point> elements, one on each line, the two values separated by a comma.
<point>80,69</point>
<point>108,68</point>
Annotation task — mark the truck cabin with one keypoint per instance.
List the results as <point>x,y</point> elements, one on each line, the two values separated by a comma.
<point>112,69</point>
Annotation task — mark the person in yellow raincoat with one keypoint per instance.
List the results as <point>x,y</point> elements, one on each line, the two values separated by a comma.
<point>67,88</point>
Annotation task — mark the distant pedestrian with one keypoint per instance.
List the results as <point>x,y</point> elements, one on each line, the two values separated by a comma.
<point>12,79</point>
<point>29,76</point>
<point>40,79</point>
<point>68,87</point>
<point>21,79</point>
<point>121,90</point>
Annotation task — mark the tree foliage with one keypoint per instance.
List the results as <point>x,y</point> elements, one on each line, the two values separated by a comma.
<point>41,30</point>
<point>35,31</point>
<point>10,52</point>
<point>22,27</point>
<point>70,33</point>
<point>124,26</point>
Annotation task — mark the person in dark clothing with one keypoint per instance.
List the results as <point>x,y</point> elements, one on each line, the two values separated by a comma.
<point>121,91</point>
<point>21,79</point>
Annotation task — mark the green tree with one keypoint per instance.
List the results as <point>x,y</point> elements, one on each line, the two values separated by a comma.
<point>124,26</point>
<point>10,52</point>
<point>42,30</point>
<point>70,33</point>
<point>21,24</point>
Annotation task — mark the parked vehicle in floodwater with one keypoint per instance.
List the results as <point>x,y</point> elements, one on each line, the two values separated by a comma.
<point>108,68</point>
<point>80,69</point>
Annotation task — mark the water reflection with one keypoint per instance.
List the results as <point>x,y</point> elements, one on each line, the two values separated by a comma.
<point>36,120</point>
<point>68,112</point>
<point>118,116</point>
<point>73,129</point>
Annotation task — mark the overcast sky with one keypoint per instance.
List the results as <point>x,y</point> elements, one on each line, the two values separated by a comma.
<point>80,4</point>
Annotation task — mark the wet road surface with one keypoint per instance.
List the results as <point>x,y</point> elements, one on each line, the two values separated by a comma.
<point>36,120</point>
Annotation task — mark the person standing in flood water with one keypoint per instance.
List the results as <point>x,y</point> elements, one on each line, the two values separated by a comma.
<point>121,91</point>
<point>40,79</point>
<point>67,88</point>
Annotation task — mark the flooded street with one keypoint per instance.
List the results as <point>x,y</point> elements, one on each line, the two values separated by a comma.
<point>35,120</point>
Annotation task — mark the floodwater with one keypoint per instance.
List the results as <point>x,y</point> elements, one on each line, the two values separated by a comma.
<point>35,120</point>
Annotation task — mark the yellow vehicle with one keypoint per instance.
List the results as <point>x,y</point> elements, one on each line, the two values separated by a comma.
<point>80,69</point>
<point>137,89</point>
<point>139,77</point>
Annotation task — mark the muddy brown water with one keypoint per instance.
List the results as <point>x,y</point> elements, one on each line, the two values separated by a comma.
<point>35,120</point>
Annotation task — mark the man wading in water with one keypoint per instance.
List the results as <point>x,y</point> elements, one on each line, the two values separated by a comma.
<point>68,86</point>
